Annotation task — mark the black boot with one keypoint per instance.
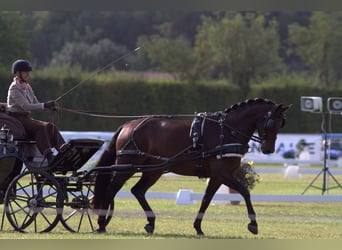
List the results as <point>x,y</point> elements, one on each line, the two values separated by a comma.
<point>2,195</point>
<point>50,157</point>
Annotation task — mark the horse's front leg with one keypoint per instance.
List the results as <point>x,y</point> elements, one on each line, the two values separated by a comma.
<point>113,188</point>
<point>208,195</point>
<point>139,190</point>
<point>252,226</point>
<point>103,214</point>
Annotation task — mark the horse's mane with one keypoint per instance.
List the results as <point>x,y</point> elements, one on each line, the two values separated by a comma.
<point>247,103</point>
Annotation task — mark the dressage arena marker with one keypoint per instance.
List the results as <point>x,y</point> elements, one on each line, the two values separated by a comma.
<point>184,197</point>
<point>292,171</point>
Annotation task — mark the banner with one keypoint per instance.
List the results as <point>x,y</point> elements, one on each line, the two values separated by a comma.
<point>303,149</point>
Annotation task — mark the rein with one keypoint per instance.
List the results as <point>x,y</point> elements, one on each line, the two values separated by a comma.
<point>118,116</point>
<point>121,116</point>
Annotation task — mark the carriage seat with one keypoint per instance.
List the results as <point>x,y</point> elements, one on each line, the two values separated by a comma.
<point>18,131</point>
<point>10,162</point>
<point>14,125</point>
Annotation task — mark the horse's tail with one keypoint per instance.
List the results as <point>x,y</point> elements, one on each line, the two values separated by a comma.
<point>103,179</point>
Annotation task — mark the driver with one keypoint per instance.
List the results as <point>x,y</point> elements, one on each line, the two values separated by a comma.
<point>21,100</point>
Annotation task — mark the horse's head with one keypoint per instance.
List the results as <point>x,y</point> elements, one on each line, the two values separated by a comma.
<point>268,127</point>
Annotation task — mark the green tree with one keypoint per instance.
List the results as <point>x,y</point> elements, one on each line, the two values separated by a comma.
<point>245,46</point>
<point>14,38</point>
<point>90,56</point>
<point>168,52</point>
<point>319,45</point>
<point>56,29</point>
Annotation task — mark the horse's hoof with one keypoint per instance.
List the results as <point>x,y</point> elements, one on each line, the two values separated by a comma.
<point>253,228</point>
<point>100,230</point>
<point>149,229</point>
<point>200,233</point>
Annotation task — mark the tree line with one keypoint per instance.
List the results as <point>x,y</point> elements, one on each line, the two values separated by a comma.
<point>243,48</point>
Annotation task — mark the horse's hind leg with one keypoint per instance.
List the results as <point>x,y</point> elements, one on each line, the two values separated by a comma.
<point>210,191</point>
<point>139,190</point>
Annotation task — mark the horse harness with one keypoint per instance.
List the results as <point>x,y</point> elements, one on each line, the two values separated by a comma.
<point>221,150</point>
<point>196,134</point>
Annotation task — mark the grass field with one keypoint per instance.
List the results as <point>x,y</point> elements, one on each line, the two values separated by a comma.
<point>283,220</point>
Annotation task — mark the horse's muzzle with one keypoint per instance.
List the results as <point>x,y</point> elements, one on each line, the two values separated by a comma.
<point>267,148</point>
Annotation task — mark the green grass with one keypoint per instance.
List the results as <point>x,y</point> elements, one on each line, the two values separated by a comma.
<point>277,220</point>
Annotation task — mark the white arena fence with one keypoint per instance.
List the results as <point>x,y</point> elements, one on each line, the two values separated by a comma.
<point>187,197</point>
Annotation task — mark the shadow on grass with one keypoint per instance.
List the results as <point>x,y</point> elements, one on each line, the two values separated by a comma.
<point>130,234</point>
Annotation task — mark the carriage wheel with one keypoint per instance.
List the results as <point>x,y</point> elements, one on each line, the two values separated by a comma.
<point>33,202</point>
<point>77,214</point>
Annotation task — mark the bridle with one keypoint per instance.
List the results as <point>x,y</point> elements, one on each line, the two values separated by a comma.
<point>269,124</point>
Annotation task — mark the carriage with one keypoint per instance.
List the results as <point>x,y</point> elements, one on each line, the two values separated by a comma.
<point>37,197</point>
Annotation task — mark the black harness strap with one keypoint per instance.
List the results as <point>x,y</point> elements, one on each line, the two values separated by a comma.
<point>196,133</point>
<point>141,153</point>
<point>227,150</point>
<point>196,130</point>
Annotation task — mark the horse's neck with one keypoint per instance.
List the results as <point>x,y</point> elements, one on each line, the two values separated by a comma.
<point>245,119</point>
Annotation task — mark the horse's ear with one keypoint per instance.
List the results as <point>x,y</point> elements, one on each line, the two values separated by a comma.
<point>281,108</point>
<point>285,108</point>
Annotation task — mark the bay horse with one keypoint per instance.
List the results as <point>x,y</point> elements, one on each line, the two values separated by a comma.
<point>210,146</point>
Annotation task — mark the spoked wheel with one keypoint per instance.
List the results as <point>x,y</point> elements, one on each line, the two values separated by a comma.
<point>77,214</point>
<point>33,202</point>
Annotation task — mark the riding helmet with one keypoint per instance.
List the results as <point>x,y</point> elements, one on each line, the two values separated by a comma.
<point>21,65</point>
